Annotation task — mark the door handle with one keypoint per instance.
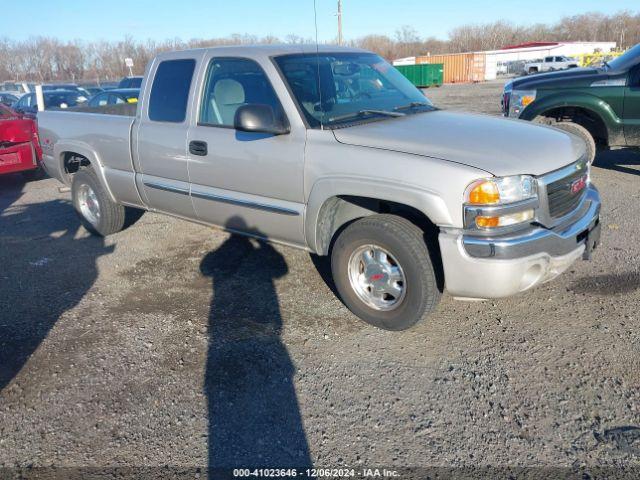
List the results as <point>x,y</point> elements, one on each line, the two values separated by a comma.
<point>197,147</point>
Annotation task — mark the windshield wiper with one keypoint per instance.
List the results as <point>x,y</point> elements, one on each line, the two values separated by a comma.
<point>412,105</point>
<point>606,64</point>
<point>361,113</point>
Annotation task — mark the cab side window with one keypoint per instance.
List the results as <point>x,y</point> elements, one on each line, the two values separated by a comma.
<point>26,101</point>
<point>548,59</point>
<point>170,91</point>
<point>231,83</point>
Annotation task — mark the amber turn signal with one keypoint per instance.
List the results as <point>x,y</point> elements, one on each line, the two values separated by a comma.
<point>484,193</point>
<point>487,222</point>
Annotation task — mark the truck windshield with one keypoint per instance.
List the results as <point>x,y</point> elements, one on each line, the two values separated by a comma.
<point>625,61</point>
<point>334,89</point>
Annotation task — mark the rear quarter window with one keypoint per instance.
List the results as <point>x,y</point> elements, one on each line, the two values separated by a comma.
<point>170,91</point>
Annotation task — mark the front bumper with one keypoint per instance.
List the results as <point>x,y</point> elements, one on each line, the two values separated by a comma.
<point>486,267</point>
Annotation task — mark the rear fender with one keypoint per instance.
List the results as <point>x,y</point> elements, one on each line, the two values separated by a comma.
<point>61,149</point>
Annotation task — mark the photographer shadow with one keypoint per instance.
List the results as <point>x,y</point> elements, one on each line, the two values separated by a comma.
<point>254,416</point>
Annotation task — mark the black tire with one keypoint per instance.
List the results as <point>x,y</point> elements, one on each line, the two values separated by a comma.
<point>533,71</point>
<point>581,132</point>
<point>112,216</point>
<point>406,244</point>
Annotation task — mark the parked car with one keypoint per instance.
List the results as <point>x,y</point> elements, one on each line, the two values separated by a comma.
<point>69,87</point>
<point>60,86</point>
<point>17,87</point>
<point>600,105</point>
<point>8,99</point>
<point>115,97</point>
<point>403,197</point>
<point>19,145</point>
<point>109,85</point>
<point>93,90</point>
<point>52,99</point>
<point>131,82</point>
<point>549,64</point>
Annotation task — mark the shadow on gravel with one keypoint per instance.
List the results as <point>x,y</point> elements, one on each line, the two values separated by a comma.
<point>612,284</point>
<point>625,439</point>
<point>254,417</point>
<point>619,160</point>
<point>11,187</point>
<point>45,271</point>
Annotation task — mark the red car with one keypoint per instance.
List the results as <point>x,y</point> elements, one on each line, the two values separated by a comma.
<point>19,144</point>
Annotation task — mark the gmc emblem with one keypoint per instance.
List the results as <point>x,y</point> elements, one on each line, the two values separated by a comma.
<point>578,185</point>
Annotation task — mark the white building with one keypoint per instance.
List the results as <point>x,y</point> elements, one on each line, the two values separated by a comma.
<point>511,59</point>
<point>526,52</point>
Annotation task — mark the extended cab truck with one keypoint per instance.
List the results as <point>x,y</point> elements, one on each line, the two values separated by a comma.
<point>335,152</point>
<point>601,105</point>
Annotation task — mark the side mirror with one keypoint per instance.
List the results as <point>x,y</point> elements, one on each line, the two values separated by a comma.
<point>259,118</point>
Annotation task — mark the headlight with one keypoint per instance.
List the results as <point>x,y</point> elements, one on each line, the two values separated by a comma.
<point>500,202</point>
<point>519,100</point>
<point>494,191</point>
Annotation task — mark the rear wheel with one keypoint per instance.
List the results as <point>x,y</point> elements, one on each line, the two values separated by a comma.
<point>98,213</point>
<point>383,272</point>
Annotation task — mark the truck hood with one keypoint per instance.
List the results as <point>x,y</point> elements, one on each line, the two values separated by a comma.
<point>570,78</point>
<point>498,146</point>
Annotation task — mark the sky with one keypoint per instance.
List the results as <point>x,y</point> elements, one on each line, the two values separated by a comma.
<point>187,19</point>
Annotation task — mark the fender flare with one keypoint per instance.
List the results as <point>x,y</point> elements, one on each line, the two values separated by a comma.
<point>81,148</point>
<point>427,202</point>
<point>594,104</point>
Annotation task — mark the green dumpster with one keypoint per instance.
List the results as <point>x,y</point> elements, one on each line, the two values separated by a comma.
<point>424,74</point>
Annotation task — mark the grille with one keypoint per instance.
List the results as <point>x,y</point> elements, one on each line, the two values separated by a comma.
<point>560,197</point>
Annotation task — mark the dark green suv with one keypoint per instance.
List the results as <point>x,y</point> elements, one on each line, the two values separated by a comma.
<point>601,105</point>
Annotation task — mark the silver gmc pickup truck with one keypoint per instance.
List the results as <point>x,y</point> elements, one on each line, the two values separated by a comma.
<point>333,151</point>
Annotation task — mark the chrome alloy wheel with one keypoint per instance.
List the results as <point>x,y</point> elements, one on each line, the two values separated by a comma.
<point>377,277</point>
<point>89,205</point>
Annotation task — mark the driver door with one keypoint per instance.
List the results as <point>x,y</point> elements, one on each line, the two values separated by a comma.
<point>245,181</point>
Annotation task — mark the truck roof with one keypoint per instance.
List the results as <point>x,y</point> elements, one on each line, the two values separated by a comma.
<point>269,50</point>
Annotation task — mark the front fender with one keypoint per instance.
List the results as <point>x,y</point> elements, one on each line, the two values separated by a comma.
<point>326,188</point>
<point>586,101</point>
<point>80,148</point>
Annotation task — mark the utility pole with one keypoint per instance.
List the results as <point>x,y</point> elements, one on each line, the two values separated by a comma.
<point>339,22</point>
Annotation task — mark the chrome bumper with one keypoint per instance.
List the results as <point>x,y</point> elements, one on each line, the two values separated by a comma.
<point>538,239</point>
<point>485,267</point>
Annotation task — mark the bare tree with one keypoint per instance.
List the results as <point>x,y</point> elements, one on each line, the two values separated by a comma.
<point>45,59</point>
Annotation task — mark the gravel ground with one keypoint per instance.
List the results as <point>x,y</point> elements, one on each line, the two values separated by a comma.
<point>173,344</point>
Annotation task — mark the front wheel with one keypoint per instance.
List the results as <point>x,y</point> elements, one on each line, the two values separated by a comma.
<point>584,134</point>
<point>383,272</point>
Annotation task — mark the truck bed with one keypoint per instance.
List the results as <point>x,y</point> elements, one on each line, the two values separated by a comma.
<point>83,132</point>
